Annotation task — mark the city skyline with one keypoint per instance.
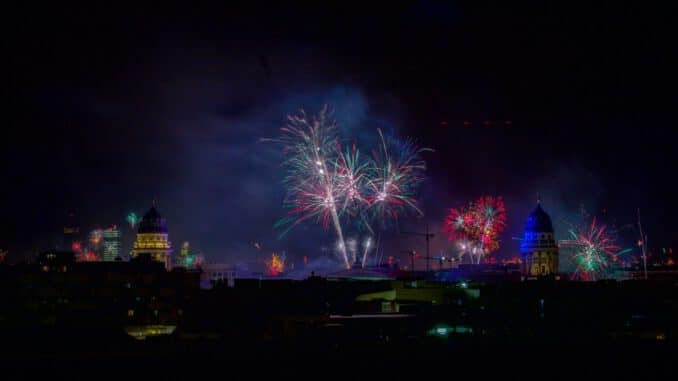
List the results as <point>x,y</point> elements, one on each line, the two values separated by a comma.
<point>407,190</point>
<point>178,118</point>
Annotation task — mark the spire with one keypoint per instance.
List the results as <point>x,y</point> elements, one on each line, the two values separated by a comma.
<point>538,199</point>
<point>154,201</point>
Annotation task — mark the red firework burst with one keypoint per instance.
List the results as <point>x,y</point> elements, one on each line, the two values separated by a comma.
<point>480,223</point>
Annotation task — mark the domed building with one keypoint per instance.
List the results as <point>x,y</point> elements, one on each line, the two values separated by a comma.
<point>539,250</point>
<point>153,238</point>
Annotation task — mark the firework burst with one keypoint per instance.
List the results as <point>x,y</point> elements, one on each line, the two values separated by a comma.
<point>310,145</point>
<point>491,214</point>
<point>396,172</point>
<point>276,265</point>
<point>332,186</point>
<point>352,176</point>
<point>477,227</point>
<point>132,219</point>
<point>593,248</point>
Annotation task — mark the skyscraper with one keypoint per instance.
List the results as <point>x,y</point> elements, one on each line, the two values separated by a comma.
<point>111,243</point>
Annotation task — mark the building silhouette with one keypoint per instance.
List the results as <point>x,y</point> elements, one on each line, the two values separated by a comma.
<point>539,250</point>
<point>152,239</point>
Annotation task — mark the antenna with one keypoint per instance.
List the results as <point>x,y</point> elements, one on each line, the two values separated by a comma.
<point>428,237</point>
<point>643,245</point>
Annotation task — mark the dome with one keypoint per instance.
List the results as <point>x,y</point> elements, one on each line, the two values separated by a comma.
<point>152,222</point>
<point>539,221</point>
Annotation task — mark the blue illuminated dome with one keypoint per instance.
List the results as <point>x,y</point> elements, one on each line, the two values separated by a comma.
<point>538,221</point>
<point>152,222</point>
<point>539,248</point>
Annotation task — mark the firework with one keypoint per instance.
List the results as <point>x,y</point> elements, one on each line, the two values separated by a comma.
<point>132,219</point>
<point>76,247</point>
<point>276,265</point>
<point>332,186</point>
<point>367,246</point>
<point>95,237</point>
<point>352,174</point>
<point>467,247</point>
<point>352,248</point>
<point>477,227</point>
<point>593,248</point>
<point>90,257</point>
<point>310,145</point>
<point>396,171</point>
<point>491,214</point>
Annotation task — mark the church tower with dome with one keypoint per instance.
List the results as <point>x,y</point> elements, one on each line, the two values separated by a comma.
<point>539,250</point>
<point>153,238</point>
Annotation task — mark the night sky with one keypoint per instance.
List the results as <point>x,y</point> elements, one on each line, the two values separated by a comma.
<point>110,107</point>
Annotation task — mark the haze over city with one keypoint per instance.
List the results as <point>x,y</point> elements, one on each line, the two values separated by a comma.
<point>360,191</point>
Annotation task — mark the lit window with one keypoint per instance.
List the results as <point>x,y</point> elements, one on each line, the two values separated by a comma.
<point>130,313</point>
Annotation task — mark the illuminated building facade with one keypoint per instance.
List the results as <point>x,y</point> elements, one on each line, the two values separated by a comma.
<point>111,243</point>
<point>215,273</point>
<point>539,250</point>
<point>152,239</point>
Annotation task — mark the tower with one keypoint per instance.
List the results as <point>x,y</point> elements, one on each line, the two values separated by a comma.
<point>111,243</point>
<point>71,239</point>
<point>152,238</point>
<point>539,250</point>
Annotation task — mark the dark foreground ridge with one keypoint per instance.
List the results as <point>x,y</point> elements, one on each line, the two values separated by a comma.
<point>137,320</point>
<point>477,358</point>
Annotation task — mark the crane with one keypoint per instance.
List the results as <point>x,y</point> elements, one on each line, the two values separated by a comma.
<point>428,237</point>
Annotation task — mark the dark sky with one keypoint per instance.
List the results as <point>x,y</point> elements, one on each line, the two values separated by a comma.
<point>112,106</point>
